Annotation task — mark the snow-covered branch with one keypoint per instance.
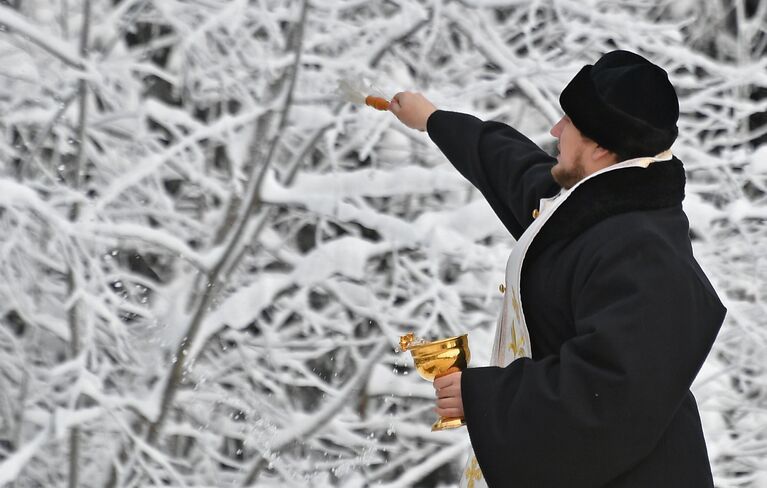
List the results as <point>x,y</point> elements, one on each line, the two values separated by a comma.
<point>17,24</point>
<point>243,248</point>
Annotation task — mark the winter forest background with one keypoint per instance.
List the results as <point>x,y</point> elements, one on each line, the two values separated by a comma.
<point>207,256</point>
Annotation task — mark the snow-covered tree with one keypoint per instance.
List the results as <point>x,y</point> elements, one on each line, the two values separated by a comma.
<point>209,256</point>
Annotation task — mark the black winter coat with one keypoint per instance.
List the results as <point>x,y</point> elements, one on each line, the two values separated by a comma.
<point>620,317</point>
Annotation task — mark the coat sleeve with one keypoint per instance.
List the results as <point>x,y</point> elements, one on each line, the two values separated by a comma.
<point>645,320</point>
<point>510,171</point>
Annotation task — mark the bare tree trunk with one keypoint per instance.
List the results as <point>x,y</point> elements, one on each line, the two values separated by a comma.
<point>254,205</point>
<point>74,434</point>
<point>213,279</point>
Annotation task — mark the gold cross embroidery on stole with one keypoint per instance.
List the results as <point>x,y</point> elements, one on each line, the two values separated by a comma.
<point>473,473</point>
<point>515,304</point>
<point>517,344</point>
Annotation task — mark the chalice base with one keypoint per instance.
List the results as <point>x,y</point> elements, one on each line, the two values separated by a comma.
<point>445,423</point>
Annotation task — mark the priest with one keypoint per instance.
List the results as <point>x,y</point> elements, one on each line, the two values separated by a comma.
<point>606,317</point>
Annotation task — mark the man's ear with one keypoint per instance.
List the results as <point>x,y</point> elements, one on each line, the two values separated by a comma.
<point>603,155</point>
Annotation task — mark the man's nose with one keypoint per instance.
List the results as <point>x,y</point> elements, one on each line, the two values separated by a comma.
<point>556,129</point>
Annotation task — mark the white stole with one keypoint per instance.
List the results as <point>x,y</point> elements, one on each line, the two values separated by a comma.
<point>512,340</point>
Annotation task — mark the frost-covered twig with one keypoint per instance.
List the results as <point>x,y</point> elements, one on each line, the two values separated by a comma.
<point>72,280</point>
<point>10,467</point>
<point>356,231</point>
<point>58,47</point>
<point>304,426</point>
<point>212,283</point>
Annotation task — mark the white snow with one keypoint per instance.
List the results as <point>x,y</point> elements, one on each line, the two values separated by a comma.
<point>376,234</point>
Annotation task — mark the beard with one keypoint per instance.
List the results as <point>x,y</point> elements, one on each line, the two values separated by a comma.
<point>568,177</point>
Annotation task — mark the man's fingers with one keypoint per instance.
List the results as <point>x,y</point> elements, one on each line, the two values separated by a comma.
<point>412,109</point>
<point>447,380</point>
<point>400,97</point>
<point>449,412</point>
<point>452,402</point>
<point>449,392</point>
<point>394,104</point>
<point>397,100</point>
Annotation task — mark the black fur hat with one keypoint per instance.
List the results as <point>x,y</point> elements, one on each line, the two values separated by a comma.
<point>624,103</point>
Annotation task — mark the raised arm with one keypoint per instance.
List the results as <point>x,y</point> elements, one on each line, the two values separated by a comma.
<point>510,171</point>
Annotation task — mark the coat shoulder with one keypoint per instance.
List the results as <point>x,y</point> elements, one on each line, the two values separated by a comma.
<point>664,228</point>
<point>658,239</point>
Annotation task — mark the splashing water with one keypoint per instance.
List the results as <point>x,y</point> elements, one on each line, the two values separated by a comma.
<point>356,91</point>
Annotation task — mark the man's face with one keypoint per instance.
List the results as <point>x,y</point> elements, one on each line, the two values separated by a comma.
<point>572,162</point>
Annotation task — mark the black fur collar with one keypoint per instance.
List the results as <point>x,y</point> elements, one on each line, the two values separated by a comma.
<point>659,185</point>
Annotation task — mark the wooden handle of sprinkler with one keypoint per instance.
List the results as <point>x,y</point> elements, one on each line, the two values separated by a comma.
<point>377,103</point>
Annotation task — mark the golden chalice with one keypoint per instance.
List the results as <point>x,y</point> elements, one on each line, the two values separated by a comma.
<point>438,358</point>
